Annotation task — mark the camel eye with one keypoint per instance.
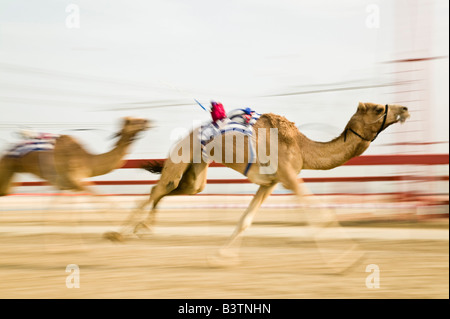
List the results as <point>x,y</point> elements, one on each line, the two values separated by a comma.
<point>378,111</point>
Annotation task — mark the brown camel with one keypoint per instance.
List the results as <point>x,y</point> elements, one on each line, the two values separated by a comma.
<point>295,152</point>
<point>68,164</point>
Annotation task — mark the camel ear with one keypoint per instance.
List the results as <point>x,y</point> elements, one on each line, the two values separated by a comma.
<point>362,107</point>
<point>126,120</point>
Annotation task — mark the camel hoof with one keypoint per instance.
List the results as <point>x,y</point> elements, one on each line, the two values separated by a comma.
<point>113,236</point>
<point>141,229</point>
<point>223,259</point>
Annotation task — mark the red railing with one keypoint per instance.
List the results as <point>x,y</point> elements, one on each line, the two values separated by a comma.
<point>367,160</point>
<point>418,159</point>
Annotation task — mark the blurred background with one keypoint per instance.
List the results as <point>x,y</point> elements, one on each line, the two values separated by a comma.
<point>77,67</point>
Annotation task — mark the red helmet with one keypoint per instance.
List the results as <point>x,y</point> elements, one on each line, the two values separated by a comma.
<point>217,111</point>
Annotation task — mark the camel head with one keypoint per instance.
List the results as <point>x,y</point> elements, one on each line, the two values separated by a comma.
<point>131,126</point>
<point>371,119</point>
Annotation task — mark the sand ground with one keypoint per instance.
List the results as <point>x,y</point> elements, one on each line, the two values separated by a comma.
<point>279,256</point>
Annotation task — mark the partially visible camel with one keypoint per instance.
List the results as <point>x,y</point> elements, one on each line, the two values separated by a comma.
<point>295,152</point>
<point>68,164</point>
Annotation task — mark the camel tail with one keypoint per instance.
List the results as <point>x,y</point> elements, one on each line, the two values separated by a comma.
<point>154,166</point>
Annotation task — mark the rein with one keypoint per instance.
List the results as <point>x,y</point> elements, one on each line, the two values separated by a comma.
<point>379,131</point>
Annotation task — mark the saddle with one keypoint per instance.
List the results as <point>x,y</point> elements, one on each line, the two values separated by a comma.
<point>33,142</point>
<point>238,121</point>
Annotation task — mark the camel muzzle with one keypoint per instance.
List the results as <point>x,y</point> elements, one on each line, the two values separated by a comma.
<point>149,124</point>
<point>402,117</point>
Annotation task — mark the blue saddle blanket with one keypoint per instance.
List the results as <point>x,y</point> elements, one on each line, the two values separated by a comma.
<point>32,145</point>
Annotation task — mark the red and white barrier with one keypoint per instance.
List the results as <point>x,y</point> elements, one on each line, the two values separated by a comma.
<point>376,187</point>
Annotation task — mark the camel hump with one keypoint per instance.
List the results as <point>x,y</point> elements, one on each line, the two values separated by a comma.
<point>69,154</point>
<point>287,130</point>
<point>66,144</point>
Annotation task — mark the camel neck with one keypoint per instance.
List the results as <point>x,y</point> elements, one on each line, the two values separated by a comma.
<point>328,155</point>
<point>106,162</point>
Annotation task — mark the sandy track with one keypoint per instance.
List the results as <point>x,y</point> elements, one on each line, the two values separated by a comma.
<point>279,257</point>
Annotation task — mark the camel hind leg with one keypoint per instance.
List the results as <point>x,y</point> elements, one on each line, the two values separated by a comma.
<point>192,181</point>
<point>176,179</point>
<point>180,178</point>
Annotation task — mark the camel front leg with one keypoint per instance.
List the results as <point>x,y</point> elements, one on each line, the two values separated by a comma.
<point>229,250</point>
<point>247,218</point>
<point>6,176</point>
<point>338,250</point>
<point>78,184</point>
